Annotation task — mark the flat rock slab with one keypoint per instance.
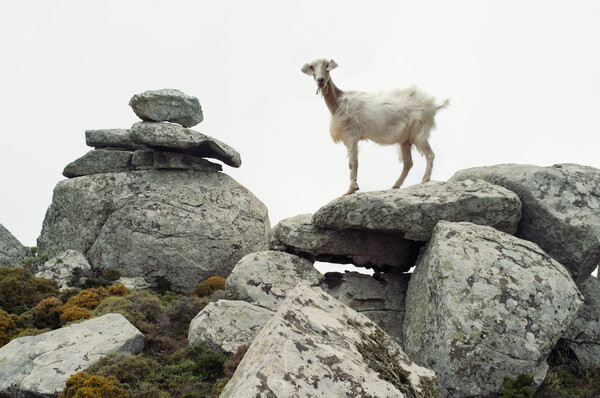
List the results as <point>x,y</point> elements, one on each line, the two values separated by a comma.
<point>111,138</point>
<point>561,209</point>
<point>11,250</point>
<point>167,105</point>
<point>167,136</point>
<point>371,249</point>
<point>38,366</point>
<point>226,324</point>
<point>99,161</point>
<point>309,348</point>
<point>483,305</point>
<point>265,278</point>
<point>413,212</point>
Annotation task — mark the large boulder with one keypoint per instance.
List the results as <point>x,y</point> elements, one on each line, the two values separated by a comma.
<point>314,346</point>
<point>185,226</point>
<point>11,250</point>
<point>226,324</point>
<point>38,366</point>
<point>379,297</point>
<point>413,212</point>
<point>371,249</point>
<point>561,209</point>
<point>65,268</point>
<point>265,278</point>
<point>167,105</point>
<point>483,305</point>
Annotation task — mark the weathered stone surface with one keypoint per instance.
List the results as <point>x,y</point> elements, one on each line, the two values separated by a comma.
<point>561,209</point>
<point>583,336</point>
<point>415,210</point>
<point>146,159</point>
<point>226,324</point>
<point>309,349</point>
<point>137,283</point>
<point>371,249</point>
<point>185,226</point>
<point>265,278</point>
<point>379,297</point>
<point>111,138</point>
<point>64,267</point>
<point>38,366</point>
<point>166,136</point>
<point>167,105</point>
<point>482,305</point>
<point>99,161</point>
<point>11,250</point>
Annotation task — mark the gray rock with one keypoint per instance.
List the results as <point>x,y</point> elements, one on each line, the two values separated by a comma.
<point>137,283</point>
<point>482,305</point>
<point>371,249</point>
<point>561,209</point>
<point>99,161</point>
<point>309,348</point>
<point>38,366</point>
<point>167,105</point>
<point>185,226</point>
<point>166,136</point>
<point>415,210</point>
<point>64,267</point>
<point>11,250</point>
<point>583,336</point>
<point>225,325</point>
<point>111,138</point>
<point>146,159</point>
<point>379,297</point>
<point>265,278</point>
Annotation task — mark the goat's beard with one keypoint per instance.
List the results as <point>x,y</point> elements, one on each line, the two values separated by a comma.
<point>322,90</point>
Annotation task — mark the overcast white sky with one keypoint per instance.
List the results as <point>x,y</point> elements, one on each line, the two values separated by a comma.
<point>523,78</point>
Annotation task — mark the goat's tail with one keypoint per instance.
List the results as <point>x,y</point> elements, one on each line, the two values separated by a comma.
<point>444,104</point>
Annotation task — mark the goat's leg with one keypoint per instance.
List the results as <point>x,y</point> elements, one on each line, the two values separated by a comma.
<point>407,162</point>
<point>429,155</point>
<point>353,163</point>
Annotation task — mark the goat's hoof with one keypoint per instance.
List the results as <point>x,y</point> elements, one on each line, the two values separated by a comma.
<point>351,190</point>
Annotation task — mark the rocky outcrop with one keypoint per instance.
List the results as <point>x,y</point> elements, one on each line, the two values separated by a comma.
<point>379,297</point>
<point>265,278</point>
<point>371,249</point>
<point>316,346</point>
<point>65,268</point>
<point>38,366</point>
<point>11,250</point>
<point>561,209</point>
<point>225,325</point>
<point>413,212</point>
<point>167,105</point>
<point>483,305</point>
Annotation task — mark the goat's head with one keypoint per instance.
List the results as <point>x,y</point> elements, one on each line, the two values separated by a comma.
<point>319,69</point>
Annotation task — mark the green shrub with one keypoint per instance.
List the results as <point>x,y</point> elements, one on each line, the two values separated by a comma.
<point>82,385</point>
<point>8,327</point>
<point>72,314</point>
<point>66,294</point>
<point>232,363</point>
<point>47,313</point>
<point>209,286</point>
<point>163,285</point>
<point>519,387</point>
<point>111,275</point>
<point>118,290</point>
<point>89,298</point>
<point>19,290</point>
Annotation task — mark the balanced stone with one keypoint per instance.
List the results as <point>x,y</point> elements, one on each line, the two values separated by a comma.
<point>99,161</point>
<point>167,105</point>
<point>111,138</point>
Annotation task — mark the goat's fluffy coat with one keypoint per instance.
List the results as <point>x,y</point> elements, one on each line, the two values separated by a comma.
<point>404,117</point>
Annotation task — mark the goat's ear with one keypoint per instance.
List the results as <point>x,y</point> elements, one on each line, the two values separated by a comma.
<point>332,65</point>
<point>307,69</point>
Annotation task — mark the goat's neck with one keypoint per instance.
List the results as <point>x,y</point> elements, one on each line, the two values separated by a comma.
<point>332,96</point>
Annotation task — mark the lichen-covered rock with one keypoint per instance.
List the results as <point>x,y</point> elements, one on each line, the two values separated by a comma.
<point>99,161</point>
<point>111,138</point>
<point>379,297</point>
<point>38,366</point>
<point>185,226</point>
<point>314,346</point>
<point>483,305</point>
<point>265,278</point>
<point>162,136</point>
<point>583,336</point>
<point>226,324</point>
<point>371,249</point>
<point>65,268</point>
<point>414,211</point>
<point>167,105</point>
<point>561,209</point>
<point>11,250</point>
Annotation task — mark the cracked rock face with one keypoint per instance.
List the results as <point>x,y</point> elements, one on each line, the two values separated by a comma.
<point>413,212</point>
<point>38,366</point>
<point>167,105</point>
<point>265,278</point>
<point>185,226</point>
<point>482,305</point>
<point>309,349</point>
<point>561,209</point>
<point>11,250</point>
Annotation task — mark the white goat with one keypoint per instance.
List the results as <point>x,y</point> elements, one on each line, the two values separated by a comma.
<point>404,117</point>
